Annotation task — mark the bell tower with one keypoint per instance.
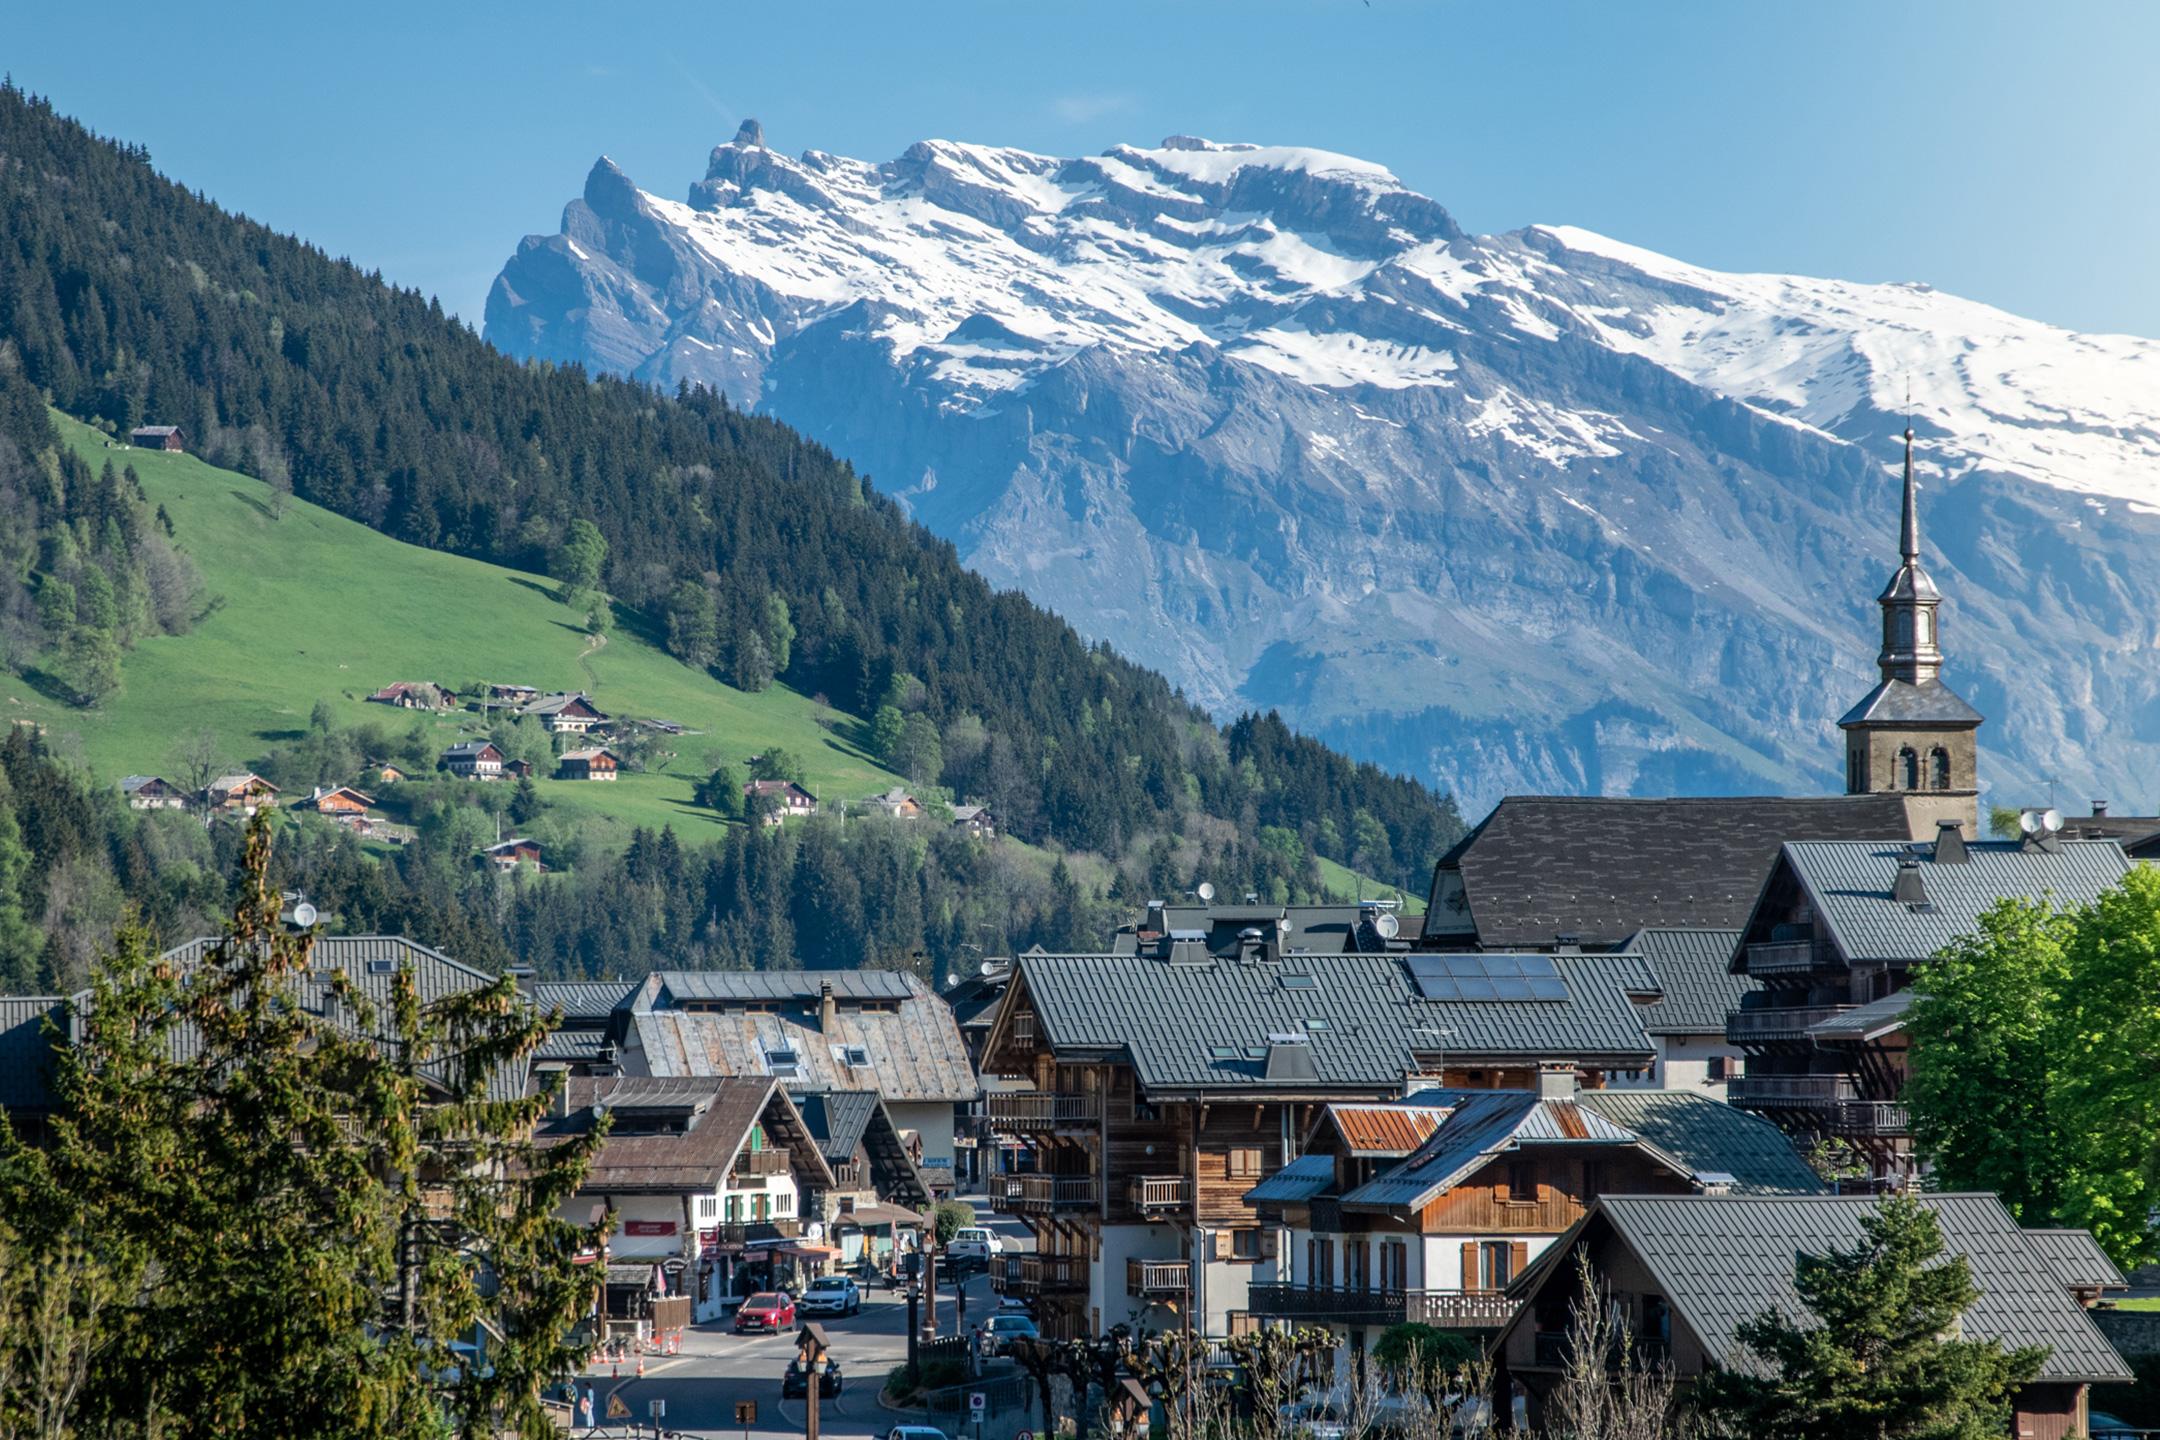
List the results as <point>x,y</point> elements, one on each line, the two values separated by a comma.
<point>1912,734</point>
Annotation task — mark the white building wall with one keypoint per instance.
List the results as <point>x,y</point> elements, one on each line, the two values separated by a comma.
<point>1106,1274</point>
<point>1682,1063</point>
<point>933,1120</point>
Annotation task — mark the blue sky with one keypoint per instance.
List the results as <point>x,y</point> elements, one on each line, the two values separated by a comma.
<point>2005,152</point>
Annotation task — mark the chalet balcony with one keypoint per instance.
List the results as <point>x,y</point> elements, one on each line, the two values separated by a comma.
<point>1032,1275</point>
<point>1886,1118</point>
<point>1790,1092</point>
<point>761,1163</point>
<point>1789,957</point>
<point>738,1232</point>
<point>1443,1309</point>
<point>1158,1277</point>
<point>1157,1193</point>
<point>1025,1112</point>
<point>1777,1024</point>
<point>1046,1194</point>
<point>853,1175</point>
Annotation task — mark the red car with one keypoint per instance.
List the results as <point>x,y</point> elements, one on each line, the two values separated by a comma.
<point>766,1310</point>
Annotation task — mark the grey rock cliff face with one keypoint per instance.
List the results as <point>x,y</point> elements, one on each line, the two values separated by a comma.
<point>1520,513</point>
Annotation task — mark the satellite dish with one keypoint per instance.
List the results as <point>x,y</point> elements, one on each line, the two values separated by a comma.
<point>304,916</point>
<point>2029,821</point>
<point>987,968</point>
<point>1388,926</point>
<point>2051,820</point>
<point>1206,892</point>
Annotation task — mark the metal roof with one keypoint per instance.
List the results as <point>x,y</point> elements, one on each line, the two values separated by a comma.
<point>1849,883</point>
<point>1703,1136</point>
<point>1295,1183</point>
<point>27,1051</point>
<point>1601,868</point>
<point>914,1050</point>
<point>1720,1260</point>
<point>1384,1130</point>
<point>838,1119</point>
<point>718,1113</point>
<point>1206,1025</point>
<point>1695,989</point>
<point>2077,1259</point>
<point>1480,1126</point>
<point>587,1001</point>
<point>1866,1022</point>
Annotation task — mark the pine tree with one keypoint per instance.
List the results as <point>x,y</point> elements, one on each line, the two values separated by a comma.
<point>1873,1360</point>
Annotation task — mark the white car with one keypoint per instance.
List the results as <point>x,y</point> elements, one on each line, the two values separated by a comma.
<point>832,1295</point>
<point>974,1242</point>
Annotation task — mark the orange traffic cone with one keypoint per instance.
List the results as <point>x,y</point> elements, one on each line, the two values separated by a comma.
<point>641,1365</point>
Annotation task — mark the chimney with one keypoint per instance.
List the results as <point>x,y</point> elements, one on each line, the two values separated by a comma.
<point>1949,842</point>
<point>1567,942</point>
<point>1909,889</point>
<point>827,1011</point>
<point>2099,809</point>
<point>522,977</point>
<point>1556,1081</point>
<point>1248,942</point>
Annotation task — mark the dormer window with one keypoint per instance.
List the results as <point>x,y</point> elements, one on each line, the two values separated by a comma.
<point>783,1063</point>
<point>855,1057</point>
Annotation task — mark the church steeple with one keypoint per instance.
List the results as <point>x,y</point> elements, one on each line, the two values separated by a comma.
<point>1910,650</point>
<point>1912,732</point>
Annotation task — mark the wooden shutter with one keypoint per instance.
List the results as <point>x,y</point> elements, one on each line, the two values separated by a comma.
<point>1470,1279</point>
<point>1267,1243</point>
<point>1223,1245</point>
<point>1518,1258</point>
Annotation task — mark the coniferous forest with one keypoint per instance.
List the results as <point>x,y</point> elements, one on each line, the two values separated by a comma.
<point>125,299</point>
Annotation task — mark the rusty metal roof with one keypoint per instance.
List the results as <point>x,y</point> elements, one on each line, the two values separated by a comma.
<point>1390,1131</point>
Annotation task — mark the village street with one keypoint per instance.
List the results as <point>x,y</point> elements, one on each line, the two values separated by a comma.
<point>717,1369</point>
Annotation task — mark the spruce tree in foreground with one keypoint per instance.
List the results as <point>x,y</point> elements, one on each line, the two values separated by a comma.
<point>1874,1359</point>
<point>308,1197</point>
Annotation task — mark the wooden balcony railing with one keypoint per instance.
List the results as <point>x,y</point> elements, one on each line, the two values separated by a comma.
<point>1021,1111</point>
<point>1443,1309</point>
<point>1039,1274</point>
<point>1038,1194</point>
<point>1156,1192</point>
<point>1870,1117</point>
<point>1777,1022</point>
<point>853,1175</point>
<point>1157,1277</point>
<point>1790,1092</point>
<point>762,1162</point>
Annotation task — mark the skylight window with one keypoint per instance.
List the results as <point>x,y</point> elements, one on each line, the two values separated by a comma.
<point>855,1057</point>
<point>1293,980</point>
<point>783,1063</point>
<point>1487,977</point>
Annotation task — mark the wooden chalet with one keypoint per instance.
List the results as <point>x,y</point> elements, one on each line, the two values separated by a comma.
<point>1169,1078</point>
<point>153,792</point>
<point>473,760</point>
<point>897,803</point>
<point>157,437</point>
<point>975,821</point>
<point>414,695</point>
<point>598,763</point>
<point>241,794</point>
<point>564,714</point>
<point>784,800</point>
<point>1685,1270</point>
<point>507,855</point>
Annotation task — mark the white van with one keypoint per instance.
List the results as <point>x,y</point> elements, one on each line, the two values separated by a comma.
<point>974,1242</point>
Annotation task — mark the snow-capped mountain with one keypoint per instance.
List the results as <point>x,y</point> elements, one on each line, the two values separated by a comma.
<point>1530,511</point>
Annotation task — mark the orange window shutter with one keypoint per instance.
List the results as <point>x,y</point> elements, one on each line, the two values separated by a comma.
<point>1518,1258</point>
<point>1470,1278</point>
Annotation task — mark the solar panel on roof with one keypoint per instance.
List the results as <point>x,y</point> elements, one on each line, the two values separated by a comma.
<point>1478,978</point>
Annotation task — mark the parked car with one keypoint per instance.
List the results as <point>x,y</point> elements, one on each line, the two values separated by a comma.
<point>832,1295</point>
<point>766,1310</point>
<point>795,1383</point>
<point>974,1242</point>
<point>916,1432</point>
<point>1005,1327</point>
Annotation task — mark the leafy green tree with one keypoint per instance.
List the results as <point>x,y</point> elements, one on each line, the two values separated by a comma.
<point>579,562</point>
<point>1983,1068</point>
<point>2107,1090</point>
<point>93,664</point>
<point>1874,1356</point>
<point>920,755</point>
<point>722,790</point>
<point>887,729</point>
<point>1414,1352</point>
<point>779,632</point>
<point>753,663</point>
<point>948,1218</point>
<point>693,625</point>
<point>778,763</point>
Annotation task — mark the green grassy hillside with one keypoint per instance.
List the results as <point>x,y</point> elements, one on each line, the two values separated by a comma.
<point>317,607</point>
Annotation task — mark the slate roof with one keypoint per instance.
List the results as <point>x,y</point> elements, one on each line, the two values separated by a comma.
<point>2077,1259</point>
<point>838,1118</point>
<point>1205,1025</point>
<point>719,1113</point>
<point>1900,702</point>
<point>914,1049</point>
<point>26,1050</point>
<point>1702,1136</point>
<point>1603,868</point>
<point>468,747</point>
<point>370,964</point>
<point>1696,988</point>
<point>1849,881</point>
<point>1719,1260</point>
